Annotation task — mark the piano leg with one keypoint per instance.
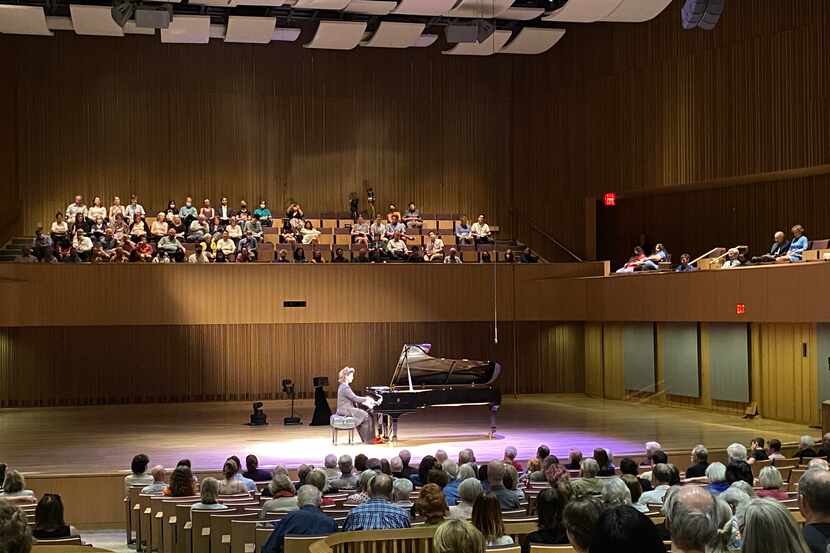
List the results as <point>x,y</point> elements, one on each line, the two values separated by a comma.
<point>493,410</point>
<point>394,428</point>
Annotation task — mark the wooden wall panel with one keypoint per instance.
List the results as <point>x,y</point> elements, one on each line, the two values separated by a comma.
<point>630,107</point>
<point>140,364</point>
<point>10,206</point>
<point>117,116</point>
<point>593,359</point>
<point>613,373</point>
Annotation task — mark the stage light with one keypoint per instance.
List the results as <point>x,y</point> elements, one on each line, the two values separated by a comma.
<point>609,199</point>
<point>288,388</point>
<point>258,417</point>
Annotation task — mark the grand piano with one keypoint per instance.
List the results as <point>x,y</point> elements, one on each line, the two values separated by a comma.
<point>422,381</point>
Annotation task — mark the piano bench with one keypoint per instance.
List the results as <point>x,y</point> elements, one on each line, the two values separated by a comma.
<point>338,423</point>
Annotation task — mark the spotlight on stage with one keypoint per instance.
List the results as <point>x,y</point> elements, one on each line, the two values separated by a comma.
<point>288,388</point>
<point>258,417</point>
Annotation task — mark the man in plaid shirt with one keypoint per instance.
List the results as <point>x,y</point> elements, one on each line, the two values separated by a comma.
<point>378,513</point>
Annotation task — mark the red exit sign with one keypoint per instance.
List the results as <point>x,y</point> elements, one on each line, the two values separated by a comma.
<point>610,199</point>
<point>740,309</point>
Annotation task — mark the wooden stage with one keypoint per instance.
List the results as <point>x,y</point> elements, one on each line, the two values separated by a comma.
<point>102,439</point>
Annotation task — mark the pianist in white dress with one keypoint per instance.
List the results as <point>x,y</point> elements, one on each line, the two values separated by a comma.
<point>348,405</point>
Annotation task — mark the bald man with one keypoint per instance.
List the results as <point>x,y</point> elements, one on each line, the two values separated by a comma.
<point>779,247</point>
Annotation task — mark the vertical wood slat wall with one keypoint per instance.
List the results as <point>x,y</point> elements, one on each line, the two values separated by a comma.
<point>116,116</point>
<point>783,381</point>
<point>129,364</point>
<point>617,108</point>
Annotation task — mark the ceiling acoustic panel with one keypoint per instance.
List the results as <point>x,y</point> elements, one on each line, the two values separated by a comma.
<point>213,3</point>
<point>531,40</point>
<point>521,14</point>
<point>371,7</point>
<point>426,39</point>
<point>187,29</point>
<point>23,20</point>
<point>392,34</point>
<point>337,35</point>
<point>94,20</point>
<point>487,48</point>
<point>250,30</point>
<point>584,11</point>
<point>321,4</point>
<point>286,34</point>
<point>425,7</point>
<point>637,11</point>
<point>486,9</point>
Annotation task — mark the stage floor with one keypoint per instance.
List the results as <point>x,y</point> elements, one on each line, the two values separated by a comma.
<point>104,438</point>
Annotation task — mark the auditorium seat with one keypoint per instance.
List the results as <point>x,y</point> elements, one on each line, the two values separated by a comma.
<point>59,542</point>
<point>534,548</point>
<point>328,223</point>
<point>265,252</point>
<point>220,529</point>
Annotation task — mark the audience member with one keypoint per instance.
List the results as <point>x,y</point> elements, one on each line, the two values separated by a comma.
<point>495,478</point>
<point>685,265</point>
<point>508,256</point>
<point>347,479</point>
<point>824,446</point>
<point>771,484</point>
<point>690,518</point>
<point>159,481</point>
<point>606,467</point>
<point>362,495</point>
<point>487,518</point>
<point>716,475</point>
<point>401,492</point>
<point>134,209</point>
<point>427,463</point>
<point>775,450</point>
<point>463,232</point>
<point>635,490</point>
<point>458,536</point>
<point>700,461</point>
<point>779,248</point>
<point>451,488</point>
<point>818,463</point>
<point>625,529</point>
<point>452,257</point>
<point>115,209</point>
<point>468,491</point>
<point>615,492</point>
<point>209,492</point>
<point>550,505</point>
<point>579,520</point>
<point>253,472</point>
<point>49,519</point>
<point>574,460</point>
<point>805,448</point>
<point>481,231</point>
<point>733,259</point>
<point>412,218</point>
<point>660,479</point>
<point>283,495</point>
<point>138,475</point>
<point>26,256</point>
<point>739,470</point>
<point>814,503</point>
<point>797,246</point>
<point>378,513</point>
<point>528,256</point>
<point>307,520</point>
<point>588,483</point>
<point>231,485</point>
<point>199,255</point>
<point>769,528</point>
<point>634,262</point>
<point>431,505</point>
<point>15,535</point>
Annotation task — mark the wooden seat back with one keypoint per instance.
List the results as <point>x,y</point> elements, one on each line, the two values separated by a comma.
<point>220,529</point>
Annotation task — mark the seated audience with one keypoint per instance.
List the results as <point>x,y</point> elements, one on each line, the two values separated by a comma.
<point>451,488</point>
<point>15,534</point>
<point>468,491</point>
<point>615,492</point>
<point>283,495</point>
<point>199,255</point>
<point>171,246</point>
<point>775,450</point>
<point>797,246</point>
<point>253,227</point>
<point>635,490</point>
<point>824,446</point>
<point>431,505</point>
<point>159,481</point>
<point>378,513</point>
<point>198,230</point>
<point>700,460</point>
<point>363,481</point>
<point>818,463</point>
<point>347,479</point>
<point>485,257</point>
<point>339,256</point>
<point>487,518</point>
<point>579,520</point>
<point>253,472</point>
<point>757,451</point>
<point>115,209</point>
<point>625,529</point>
<point>685,264</point>
<point>732,260</point>
<point>588,483</point>
<point>97,229</point>
<point>138,228</point>
<point>401,492</point>
<point>453,257</point>
<point>231,485</point>
<point>80,223</point>
<point>206,210</point>
<point>119,227</point>
<point>26,256</point>
<point>634,262</point>
<point>495,478</point>
<point>412,218</point>
<point>96,210</point>
<point>307,520</point>
<point>138,475</point>
<point>606,467</point>
<point>574,460</point>
<point>226,245</point>
<point>508,256</point>
<point>243,214</point>
<point>510,454</point>
<point>82,245</point>
<point>805,448</point>
<point>159,227</point>
<point>652,262</point>
<point>134,209</point>
<point>550,506</point>
<point>182,482</point>
<point>59,229</point>
<point>396,247</point>
<point>463,232</point>
<point>458,536</point>
<point>14,489</point>
<point>779,248</point>
<point>209,492</point>
<point>234,229</point>
<point>263,214</point>
<point>716,475</point>
<point>528,256</point>
<point>434,250</point>
<point>77,207</point>
<point>814,504</point>
<point>318,479</point>
<point>49,520</point>
<point>691,519</point>
<point>660,478</point>
<point>480,231</point>
<point>769,528</point>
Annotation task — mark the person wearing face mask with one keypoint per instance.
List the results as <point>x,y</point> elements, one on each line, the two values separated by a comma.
<point>188,212</point>
<point>263,213</point>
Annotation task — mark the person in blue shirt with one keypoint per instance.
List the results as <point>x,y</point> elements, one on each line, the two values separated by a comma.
<point>308,520</point>
<point>652,262</point>
<point>797,246</point>
<point>685,266</point>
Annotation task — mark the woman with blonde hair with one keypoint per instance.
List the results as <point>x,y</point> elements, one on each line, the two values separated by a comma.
<point>487,518</point>
<point>457,536</point>
<point>209,492</point>
<point>348,406</point>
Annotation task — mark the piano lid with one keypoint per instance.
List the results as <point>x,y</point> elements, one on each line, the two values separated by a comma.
<point>416,364</point>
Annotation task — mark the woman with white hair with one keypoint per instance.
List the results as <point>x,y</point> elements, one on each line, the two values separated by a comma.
<point>805,448</point>
<point>771,482</point>
<point>468,492</point>
<point>284,496</point>
<point>716,475</point>
<point>465,471</point>
<point>769,528</point>
<point>401,492</point>
<point>615,492</point>
<point>348,406</point>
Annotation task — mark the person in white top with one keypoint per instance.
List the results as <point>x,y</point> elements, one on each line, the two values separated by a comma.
<point>396,247</point>
<point>159,226</point>
<point>96,210</point>
<point>234,229</point>
<point>199,256</point>
<point>82,245</point>
<point>480,231</point>
<point>77,206</point>
<point>210,494</point>
<point>468,492</point>
<point>225,244</point>
<point>134,208</point>
<point>434,248</point>
<point>116,208</point>
<point>138,473</point>
<point>309,233</point>
<point>453,257</point>
<point>59,228</point>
